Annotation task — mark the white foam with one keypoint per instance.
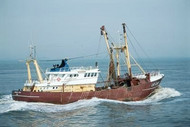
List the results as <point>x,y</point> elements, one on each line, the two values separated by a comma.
<point>8,104</point>
<point>163,93</point>
<point>160,94</point>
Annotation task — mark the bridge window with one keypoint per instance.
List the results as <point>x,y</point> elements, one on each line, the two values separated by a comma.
<point>76,75</point>
<point>90,74</point>
<point>73,75</point>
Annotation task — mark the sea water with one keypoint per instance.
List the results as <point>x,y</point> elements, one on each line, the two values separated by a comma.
<point>168,107</point>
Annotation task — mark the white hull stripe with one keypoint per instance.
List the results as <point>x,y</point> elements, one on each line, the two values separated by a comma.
<point>26,96</point>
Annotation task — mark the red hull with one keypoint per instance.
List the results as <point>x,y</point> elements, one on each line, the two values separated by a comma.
<point>133,93</point>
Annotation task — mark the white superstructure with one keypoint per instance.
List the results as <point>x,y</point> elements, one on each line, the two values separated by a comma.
<point>62,78</point>
<point>57,79</point>
<point>75,76</point>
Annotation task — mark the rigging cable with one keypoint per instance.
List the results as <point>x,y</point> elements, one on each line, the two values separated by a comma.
<point>142,48</point>
<point>136,52</point>
<point>79,57</point>
<point>99,45</point>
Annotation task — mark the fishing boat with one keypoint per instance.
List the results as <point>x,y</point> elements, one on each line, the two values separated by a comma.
<point>63,84</point>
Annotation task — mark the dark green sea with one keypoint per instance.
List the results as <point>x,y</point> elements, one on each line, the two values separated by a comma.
<point>169,107</point>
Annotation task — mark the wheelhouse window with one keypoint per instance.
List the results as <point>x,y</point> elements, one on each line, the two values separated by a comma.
<point>76,75</point>
<point>73,75</point>
<point>90,74</point>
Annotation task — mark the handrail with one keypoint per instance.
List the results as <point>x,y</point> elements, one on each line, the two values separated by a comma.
<point>152,73</point>
<point>70,68</point>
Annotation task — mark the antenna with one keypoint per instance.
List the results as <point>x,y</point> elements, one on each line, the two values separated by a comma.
<point>32,52</point>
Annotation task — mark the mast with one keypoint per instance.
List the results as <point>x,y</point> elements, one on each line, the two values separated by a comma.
<point>40,79</point>
<point>118,62</point>
<point>32,58</point>
<point>111,70</point>
<point>29,72</point>
<point>103,32</point>
<point>127,56</point>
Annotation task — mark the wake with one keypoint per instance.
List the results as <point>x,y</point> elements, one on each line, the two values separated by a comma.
<point>7,104</point>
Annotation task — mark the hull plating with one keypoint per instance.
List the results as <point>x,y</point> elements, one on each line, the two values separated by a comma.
<point>133,93</point>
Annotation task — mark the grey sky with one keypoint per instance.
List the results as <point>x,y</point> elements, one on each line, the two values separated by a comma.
<point>69,28</point>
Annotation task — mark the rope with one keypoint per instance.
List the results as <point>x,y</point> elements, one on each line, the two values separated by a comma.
<point>85,56</point>
<point>140,59</point>
<point>43,72</point>
<point>79,57</point>
<point>99,45</point>
<point>102,79</point>
<point>141,48</point>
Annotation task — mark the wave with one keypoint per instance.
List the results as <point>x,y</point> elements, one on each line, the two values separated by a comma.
<point>7,104</point>
<point>161,94</point>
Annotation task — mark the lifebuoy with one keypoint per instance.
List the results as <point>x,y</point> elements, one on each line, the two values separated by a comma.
<point>58,79</point>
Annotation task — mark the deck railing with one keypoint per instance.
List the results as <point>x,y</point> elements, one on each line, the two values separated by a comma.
<point>152,73</point>
<point>69,69</point>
